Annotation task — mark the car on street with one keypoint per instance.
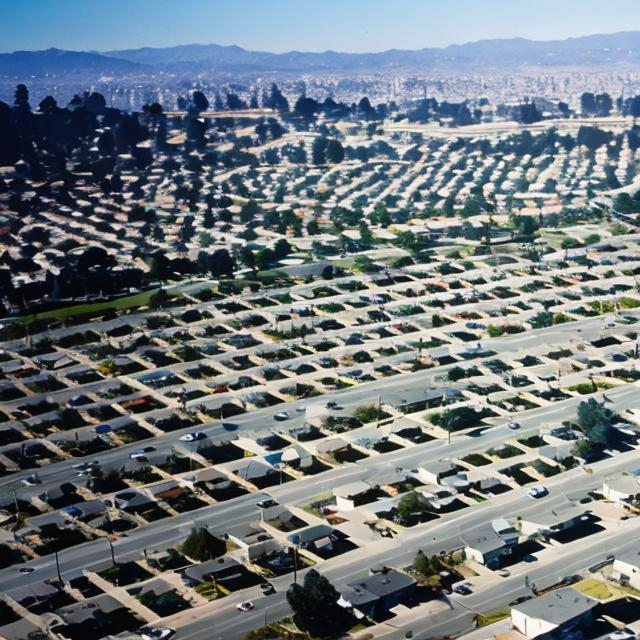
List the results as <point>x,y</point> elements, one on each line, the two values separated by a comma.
<point>539,491</point>
<point>332,404</point>
<point>462,590</point>
<point>283,415</point>
<point>247,605</point>
<point>267,588</point>
<point>84,466</point>
<point>193,436</point>
<point>513,425</point>
<point>26,570</point>
<point>31,481</point>
<point>529,558</point>
<point>160,633</point>
<point>141,453</point>
<point>519,600</point>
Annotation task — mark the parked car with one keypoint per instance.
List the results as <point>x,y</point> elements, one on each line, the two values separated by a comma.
<point>529,558</point>
<point>193,436</point>
<point>539,491</point>
<point>247,605</point>
<point>462,589</point>
<point>161,633</point>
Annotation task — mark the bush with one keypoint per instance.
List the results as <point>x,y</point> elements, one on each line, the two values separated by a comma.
<point>201,545</point>
<point>368,413</point>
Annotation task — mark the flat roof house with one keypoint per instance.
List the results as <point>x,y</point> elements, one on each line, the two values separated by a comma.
<point>558,611</point>
<point>376,594</point>
<point>628,568</point>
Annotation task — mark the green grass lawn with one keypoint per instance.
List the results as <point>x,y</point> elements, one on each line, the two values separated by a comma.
<point>483,621</point>
<point>128,302</point>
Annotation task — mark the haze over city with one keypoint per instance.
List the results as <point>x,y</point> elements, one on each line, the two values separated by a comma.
<point>303,25</point>
<point>319,320</point>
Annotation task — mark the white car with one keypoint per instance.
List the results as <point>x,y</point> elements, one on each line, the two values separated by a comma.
<point>161,633</point>
<point>193,436</point>
<point>247,605</point>
<point>538,491</point>
<point>513,425</point>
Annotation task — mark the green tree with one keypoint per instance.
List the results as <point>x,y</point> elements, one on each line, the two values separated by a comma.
<point>365,233</point>
<point>595,421</point>
<point>410,503</point>
<point>421,563</point>
<point>314,598</point>
<point>334,151</point>
<point>202,545</point>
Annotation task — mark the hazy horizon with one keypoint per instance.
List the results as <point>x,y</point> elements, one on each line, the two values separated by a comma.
<point>277,26</point>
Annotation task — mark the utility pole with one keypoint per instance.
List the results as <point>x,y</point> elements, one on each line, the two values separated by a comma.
<point>295,564</point>
<point>58,569</point>
<point>113,557</point>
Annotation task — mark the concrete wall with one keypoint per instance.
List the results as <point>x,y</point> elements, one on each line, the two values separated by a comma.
<point>631,571</point>
<point>530,627</point>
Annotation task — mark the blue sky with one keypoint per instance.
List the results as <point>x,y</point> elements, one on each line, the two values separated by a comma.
<point>310,25</point>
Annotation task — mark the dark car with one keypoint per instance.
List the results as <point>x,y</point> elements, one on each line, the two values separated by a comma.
<point>462,589</point>
<point>267,588</point>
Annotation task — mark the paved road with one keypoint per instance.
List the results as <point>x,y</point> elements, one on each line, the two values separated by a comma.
<point>165,533</point>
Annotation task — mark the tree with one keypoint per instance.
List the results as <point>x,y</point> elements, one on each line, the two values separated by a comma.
<point>306,107</point>
<point>314,598</point>
<point>421,563</point>
<point>199,101</point>
<point>318,150</point>
<point>202,545</point>
<point>588,103</point>
<point>410,503</point>
<point>365,233</point>
<point>595,421</point>
<point>281,249</point>
<point>313,228</point>
<point>248,257</point>
<point>334,151</point>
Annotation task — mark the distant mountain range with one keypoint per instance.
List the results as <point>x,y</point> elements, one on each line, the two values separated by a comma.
<point>594,51</point>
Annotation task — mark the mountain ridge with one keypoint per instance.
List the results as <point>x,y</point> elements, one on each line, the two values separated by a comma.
<point>595,50</point>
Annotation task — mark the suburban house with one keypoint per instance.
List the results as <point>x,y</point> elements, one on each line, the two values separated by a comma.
<point>351,495</point>
<point>559,611</point>
<point>549,521</point>
<point>224,571</point>
<point>322,539</point>
<point>376,594</point>
<point>627,566</point>
<point>487,543</point>
<point>252,540</point>
<point>435,472</point>
<point>621,489</point>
